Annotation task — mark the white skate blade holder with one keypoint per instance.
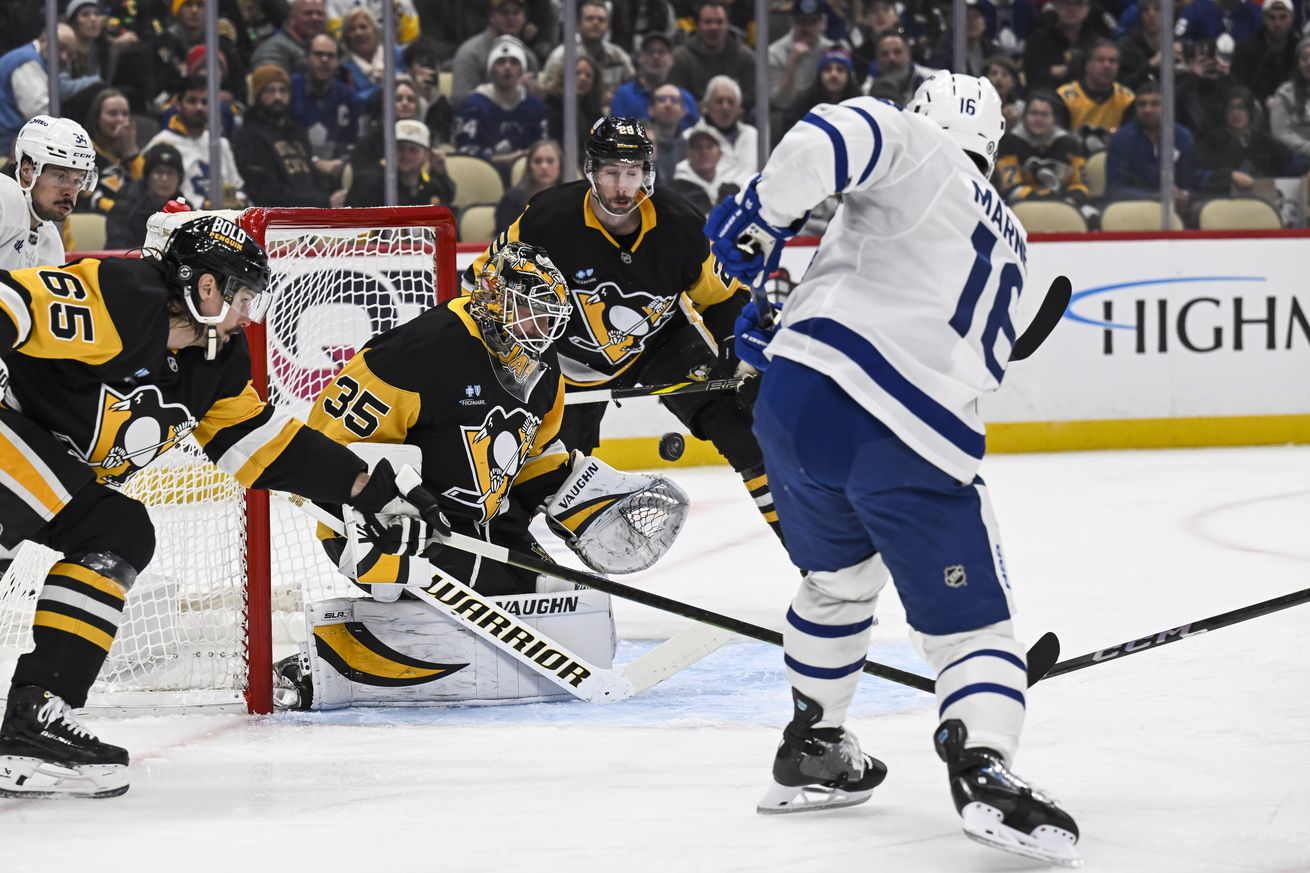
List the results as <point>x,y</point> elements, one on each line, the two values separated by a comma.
<point>34,777</point>
<point>982,823</point>
<point>785,799</point>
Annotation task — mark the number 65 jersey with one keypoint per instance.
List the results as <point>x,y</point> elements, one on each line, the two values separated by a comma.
<point>909,304</point>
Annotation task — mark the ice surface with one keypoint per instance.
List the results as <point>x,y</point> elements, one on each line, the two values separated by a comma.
<point>1190,758</point>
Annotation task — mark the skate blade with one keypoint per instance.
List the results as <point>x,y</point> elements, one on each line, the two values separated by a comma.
<point>783,799</point>
<point>982,824</point>
<point>34,777</point>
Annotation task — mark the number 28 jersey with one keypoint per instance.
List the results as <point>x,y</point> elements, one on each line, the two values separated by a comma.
<point>909,304</point>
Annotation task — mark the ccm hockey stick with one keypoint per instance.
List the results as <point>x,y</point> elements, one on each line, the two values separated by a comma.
<point>548,658</point>
<point>409,484</point>
<point>1173,635</point>
<point>601,395</point>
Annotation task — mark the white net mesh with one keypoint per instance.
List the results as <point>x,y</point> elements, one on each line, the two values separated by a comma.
<point>184,637</point>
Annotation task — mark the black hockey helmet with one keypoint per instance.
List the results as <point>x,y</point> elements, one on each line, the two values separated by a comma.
<point>217,245</point>
<point>616,138</point>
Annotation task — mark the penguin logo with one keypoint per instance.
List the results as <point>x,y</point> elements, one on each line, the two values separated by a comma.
<point>618,324</point>
<point>496,450</point>
<point>133,430</point>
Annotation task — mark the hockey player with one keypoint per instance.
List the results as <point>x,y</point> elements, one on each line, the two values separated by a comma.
<point>475,385</point>
<point>649,303</point>
<point>868,419</point>
<point>53,161</point>
<point>110,364</point>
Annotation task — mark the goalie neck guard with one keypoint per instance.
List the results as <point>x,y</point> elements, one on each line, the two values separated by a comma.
<point>521,307</point>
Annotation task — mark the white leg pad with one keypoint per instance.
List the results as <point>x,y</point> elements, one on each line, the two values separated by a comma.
<point>982,679</point>
<point>826,638</point>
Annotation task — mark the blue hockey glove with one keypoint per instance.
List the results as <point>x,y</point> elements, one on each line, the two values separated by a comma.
<point>747,246</point>
<point>752,337</point>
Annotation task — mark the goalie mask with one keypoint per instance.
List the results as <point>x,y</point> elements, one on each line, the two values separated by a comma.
<point>216,245</point>
<point>619,165</point>
<point>521,306</point>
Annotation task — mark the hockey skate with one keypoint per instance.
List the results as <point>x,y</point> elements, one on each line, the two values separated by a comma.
<point>1000,809</point>
<point>818,768</point>
<point>293,686</point>
<point>46,752</point>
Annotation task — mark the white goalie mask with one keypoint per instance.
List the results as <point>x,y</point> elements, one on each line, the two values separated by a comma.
<point>967,108</point>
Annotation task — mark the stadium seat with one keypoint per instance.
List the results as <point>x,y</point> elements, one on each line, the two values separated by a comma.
<point>476,181</point>
<point>517,169</point>
<point>1135,215</point>
<point>88,230</point>
<point>477,223</point>
<point>1239,213</point>
<point>1050,216</point>
<point>445,81</point>
<point>1094,175</point>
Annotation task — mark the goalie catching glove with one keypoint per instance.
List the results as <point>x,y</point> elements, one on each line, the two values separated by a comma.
<point>616,522</point>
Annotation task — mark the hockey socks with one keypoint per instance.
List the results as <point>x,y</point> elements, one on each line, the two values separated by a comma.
<point>757,483</point>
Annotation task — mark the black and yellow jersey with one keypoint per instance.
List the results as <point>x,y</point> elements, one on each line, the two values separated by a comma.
<point>1106,111</point>
<point>432,383</point>
<point>624,292</point>
<point>87,350</point>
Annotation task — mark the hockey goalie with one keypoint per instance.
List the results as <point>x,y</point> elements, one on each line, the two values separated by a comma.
<point>470,395</point>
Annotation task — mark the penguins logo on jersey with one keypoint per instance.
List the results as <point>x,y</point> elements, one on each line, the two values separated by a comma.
<point>617,323</point>
<point>132,430</point>
<point>496,450</point>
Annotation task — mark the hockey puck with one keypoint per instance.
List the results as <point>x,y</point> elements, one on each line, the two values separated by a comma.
<point>672,446</point>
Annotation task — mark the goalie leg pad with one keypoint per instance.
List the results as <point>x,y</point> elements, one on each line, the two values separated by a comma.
<point>827,634</point>
<point>616,522</point>
<point>365,653</point>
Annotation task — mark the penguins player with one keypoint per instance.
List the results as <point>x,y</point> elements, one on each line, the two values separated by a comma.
<point>109,364</point>
<point>650,305</point>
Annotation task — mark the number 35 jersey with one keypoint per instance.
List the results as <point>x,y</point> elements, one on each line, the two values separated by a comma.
<point>87,350</point>
<point>909,304</point>
<point>432,383</point>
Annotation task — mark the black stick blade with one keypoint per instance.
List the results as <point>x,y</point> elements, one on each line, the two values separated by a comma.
<point>1042,657</point>
<point>1048,316</point>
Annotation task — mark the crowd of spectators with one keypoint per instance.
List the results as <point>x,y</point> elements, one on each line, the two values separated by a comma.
<point>301,92</point>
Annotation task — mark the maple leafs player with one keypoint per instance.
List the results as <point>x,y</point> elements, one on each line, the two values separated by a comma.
<point>868,419</point>
<point>649,303</point>
<point>110,363</point>
<point>54,162</point>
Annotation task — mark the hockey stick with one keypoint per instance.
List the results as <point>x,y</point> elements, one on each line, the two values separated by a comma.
<point>1049,313</point>
<point>529,646</point>
<point>602,395</point>
<point>1175,634</point>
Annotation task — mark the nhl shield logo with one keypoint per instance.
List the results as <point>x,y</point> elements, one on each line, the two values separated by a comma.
<point>955,576</point>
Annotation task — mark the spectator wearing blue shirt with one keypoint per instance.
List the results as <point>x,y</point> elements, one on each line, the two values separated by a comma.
<point>1133,157</point>
<point>500,120</point>
<point>654,60</point>
<point>1207,19</point>
<point>365,55</point>
<point>323,104</point>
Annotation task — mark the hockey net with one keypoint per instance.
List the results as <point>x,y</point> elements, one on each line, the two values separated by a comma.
<point>233,569</point>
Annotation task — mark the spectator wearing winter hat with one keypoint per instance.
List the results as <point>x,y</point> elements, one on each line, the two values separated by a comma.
<point>835,83</point>
<point>273,149</point>
<point>654,60</point>
<point>416,183</point>
<point>794,59</point>
<point>1266,59</point>
<point>125,225</point>
<point>500,120</point>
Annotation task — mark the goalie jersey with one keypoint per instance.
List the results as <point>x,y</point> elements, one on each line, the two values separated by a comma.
<point>909,304</point>
<point>625,292</point>
<point>87,350</point>
<point>432,383</point>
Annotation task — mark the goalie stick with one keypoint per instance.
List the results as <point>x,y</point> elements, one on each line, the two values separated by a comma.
<point>409,483</point>
<point>546,657</point>
<point>1173,635</point>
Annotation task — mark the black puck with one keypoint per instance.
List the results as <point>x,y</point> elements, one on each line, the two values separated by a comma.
<point>672,446</point>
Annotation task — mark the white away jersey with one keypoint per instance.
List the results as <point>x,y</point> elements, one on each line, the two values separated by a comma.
<point>909,304</point>
<point>20,246</point>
